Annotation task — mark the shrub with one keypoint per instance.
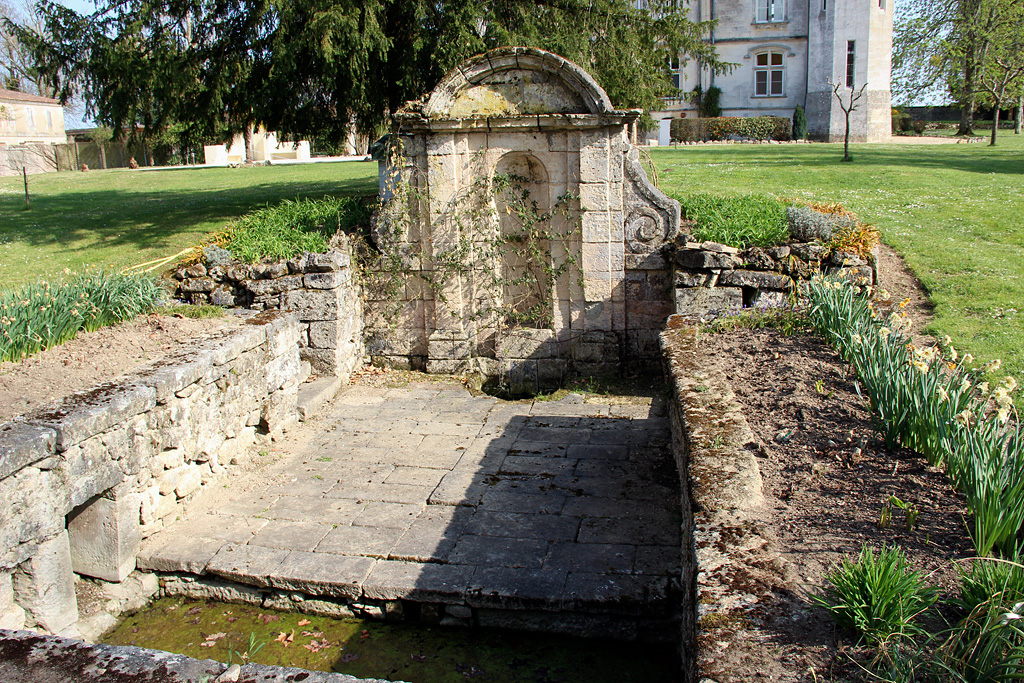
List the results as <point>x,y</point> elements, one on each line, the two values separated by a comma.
<point>38,316</point>
<point>799,123</point>
<point>919,126</point>
<point>877,596</point>
<point>745,221</point>
<point>291,228</point>
<point>726,127</point>
<point>808,225</point>
<point>856,239</point>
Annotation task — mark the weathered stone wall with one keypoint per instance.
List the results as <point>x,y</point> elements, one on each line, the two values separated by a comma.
<point>320,288</point>
<point>725,548</point>
<point>535,116</point>
<point>712,279</point>
<point>85,480</point>
<point>32,658</point>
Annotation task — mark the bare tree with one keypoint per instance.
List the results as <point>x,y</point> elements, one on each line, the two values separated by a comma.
<point>1003,69</point>
<point>848,106</point>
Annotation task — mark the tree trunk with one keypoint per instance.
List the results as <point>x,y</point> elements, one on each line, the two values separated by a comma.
<point>103,155</point>
<point>1019,114</point>
<point>967,105</point>
<point>846,141</point>
<point>250,155</point>
<point>995,123</point>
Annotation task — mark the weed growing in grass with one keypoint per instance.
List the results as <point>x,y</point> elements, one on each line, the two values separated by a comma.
<point>38,316</point>
<point>877,596</point>
<point>746,221</point>
<point>291,228</point>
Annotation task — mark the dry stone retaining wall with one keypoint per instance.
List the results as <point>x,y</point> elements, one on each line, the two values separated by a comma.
<point>319,288</point>
<point>711,278</point>
<point>85,480</point>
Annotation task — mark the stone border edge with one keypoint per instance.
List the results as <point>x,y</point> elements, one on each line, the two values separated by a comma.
<point>731,561</point>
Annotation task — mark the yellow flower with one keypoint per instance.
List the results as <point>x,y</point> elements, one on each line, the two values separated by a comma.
<point>952,353</point>
<point>968,359</point>
<point>1002,398</point>
<point>992,365</point>
<point>921,366</point>
<point>884,295</point>
<point>965,384</point>
<point>943,395</point>
<point>1010,383</point>
<point>946,340</point>
<point>963,417</point>
<point>983,388</point>
<point>1003,414</point>
<point>884,332</point>
<point>904,302</point>
<point>857,339</point>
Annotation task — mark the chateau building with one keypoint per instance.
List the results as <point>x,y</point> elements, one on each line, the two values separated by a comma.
<point>789,53</point>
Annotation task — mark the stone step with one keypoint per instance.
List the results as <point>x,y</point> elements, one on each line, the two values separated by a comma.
<point>314,394</point>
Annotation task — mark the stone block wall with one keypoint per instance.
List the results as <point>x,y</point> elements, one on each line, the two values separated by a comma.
<point>722,488</point>
<point>319,288</point>
<point>712,279</point>
<point>85,480</point>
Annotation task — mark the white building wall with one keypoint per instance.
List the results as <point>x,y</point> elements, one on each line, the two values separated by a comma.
<point>812,36</point>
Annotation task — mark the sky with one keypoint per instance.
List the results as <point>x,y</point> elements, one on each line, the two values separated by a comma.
<point>74,117</point>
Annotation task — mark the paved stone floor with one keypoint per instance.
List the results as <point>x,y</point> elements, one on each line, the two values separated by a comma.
<point>427,494</point>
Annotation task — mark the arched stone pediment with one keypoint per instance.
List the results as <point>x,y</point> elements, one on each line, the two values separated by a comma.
<point>516,81</point>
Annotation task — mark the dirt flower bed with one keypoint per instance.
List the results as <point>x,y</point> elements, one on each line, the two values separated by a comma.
<point>826,479</point>
<point>96,357</point>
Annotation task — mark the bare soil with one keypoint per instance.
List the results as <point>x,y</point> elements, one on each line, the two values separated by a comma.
<point>96,357</point>
<point>826,478</point>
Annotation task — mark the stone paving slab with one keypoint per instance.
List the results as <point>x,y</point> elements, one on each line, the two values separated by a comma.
<point>426,493</point>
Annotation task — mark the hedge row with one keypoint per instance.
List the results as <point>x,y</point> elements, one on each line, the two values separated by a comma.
<point>731,127</point>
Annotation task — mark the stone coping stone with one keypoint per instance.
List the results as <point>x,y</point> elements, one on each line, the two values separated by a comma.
<point>55,428</point>
<point>22,445</point>
<point>28,657</point>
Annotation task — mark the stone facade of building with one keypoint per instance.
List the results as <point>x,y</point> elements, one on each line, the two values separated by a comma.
<point>787,52</point>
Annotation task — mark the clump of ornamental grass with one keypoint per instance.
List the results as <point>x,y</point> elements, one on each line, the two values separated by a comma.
<point>44,314</point>
<point>876,595</point>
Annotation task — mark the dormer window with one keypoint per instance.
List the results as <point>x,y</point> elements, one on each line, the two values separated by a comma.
<point>769,74</point>
<point>770,11</point>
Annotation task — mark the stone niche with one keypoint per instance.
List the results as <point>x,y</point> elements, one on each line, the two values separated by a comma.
<point>602,277</point>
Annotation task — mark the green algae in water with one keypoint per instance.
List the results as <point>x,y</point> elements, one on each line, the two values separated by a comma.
<point>401,652</point>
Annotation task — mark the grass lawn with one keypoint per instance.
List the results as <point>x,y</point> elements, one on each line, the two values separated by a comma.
<point>120,217</point>
<point>956,212</point>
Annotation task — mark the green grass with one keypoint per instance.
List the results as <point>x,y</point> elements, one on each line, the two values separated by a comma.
<point>954,212</point>
<point>120,217</point>
<point>292,227</point>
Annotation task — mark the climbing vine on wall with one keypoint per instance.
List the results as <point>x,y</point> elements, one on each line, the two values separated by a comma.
<point>494,244</point>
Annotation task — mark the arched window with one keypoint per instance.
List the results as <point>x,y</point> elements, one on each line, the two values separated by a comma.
<point>769,74</point>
